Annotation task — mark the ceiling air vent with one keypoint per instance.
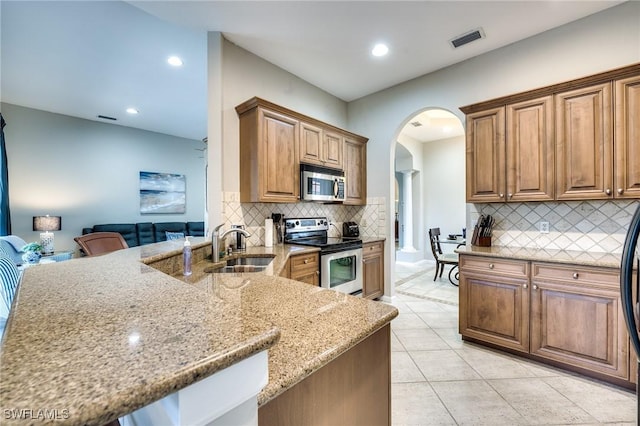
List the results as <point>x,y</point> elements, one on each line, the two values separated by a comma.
<point>467,38</point>
<point>416,123</point>
<point>106,117</point>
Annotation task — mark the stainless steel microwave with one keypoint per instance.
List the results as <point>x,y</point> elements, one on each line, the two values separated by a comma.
<point>321,184</point>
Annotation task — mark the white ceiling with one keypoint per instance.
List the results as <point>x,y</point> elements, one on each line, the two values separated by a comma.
<point>85,58</point>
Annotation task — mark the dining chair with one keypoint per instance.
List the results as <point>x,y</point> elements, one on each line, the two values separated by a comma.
<point>441,258</point>
<point>97,243</point>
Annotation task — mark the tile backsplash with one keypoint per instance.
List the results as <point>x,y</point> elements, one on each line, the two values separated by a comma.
<point>371,218</point>
<point>592,226</point>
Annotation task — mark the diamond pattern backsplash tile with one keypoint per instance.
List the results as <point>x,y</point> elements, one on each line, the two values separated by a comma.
<point>371,218</point>
<point>592,226</point>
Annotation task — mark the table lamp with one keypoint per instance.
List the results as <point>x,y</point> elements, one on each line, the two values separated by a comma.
<point>47,223</point>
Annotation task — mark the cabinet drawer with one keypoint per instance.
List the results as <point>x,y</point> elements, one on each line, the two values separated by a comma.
<point>372,249</point>
<point>304,261</point>
<point>494,265</point>
<point>575,274</point>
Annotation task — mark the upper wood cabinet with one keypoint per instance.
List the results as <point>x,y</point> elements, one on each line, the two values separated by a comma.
<point>530,156</point>
<point>510,152</point>
<point>275,140</point>
<point>627,137</point>
<point>355,171</point>
<point>584,143</point>
<point>320,147</point>
<point>577,140</point>
<point>269,168</point>
<point>485,156</point>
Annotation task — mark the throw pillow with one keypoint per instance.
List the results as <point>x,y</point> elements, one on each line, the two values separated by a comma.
<point>174,235</point>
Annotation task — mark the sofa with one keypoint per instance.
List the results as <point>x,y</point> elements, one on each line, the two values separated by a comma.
<point>139,234</point>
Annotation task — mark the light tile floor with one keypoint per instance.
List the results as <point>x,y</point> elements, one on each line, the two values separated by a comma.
<point>437,379</point>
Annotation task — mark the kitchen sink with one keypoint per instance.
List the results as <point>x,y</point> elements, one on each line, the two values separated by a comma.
<point>235,269</point>
<point>241,265</point>
<point>253,261</point>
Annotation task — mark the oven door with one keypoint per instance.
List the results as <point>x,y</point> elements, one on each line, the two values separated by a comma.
<point>342,271</point>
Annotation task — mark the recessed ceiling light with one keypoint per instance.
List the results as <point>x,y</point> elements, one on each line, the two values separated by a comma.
<point>132,110</point>
<point>175,61</point>
<point>380,49</point>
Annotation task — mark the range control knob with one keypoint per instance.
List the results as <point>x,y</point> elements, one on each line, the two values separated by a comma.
<point>297,223</point>
<point>290,225</point>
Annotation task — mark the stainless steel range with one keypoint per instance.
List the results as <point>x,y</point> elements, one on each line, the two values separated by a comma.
<point>340,258</point>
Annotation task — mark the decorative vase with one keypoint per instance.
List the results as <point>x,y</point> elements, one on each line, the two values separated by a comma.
<point>31,257</point>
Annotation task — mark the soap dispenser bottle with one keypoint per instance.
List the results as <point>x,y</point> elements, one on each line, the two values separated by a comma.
<point>186,256</point>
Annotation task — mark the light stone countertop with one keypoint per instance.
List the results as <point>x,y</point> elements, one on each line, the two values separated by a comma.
<point>92,339</point>
<point>583,258</point>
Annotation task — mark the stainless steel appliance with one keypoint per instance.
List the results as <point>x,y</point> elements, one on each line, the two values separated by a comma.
<point>340,258</point>
<point>321,184</point>
<point>630,286</point>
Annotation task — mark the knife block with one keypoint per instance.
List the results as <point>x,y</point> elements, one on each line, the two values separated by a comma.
<point>483,242</point>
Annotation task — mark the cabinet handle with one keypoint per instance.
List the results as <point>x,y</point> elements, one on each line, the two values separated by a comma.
<point>501,195</point>
<point>491,266</point>
<point>620,191</point>
<point>306,261</point>
<point>525,286</point>
<point>510,195</point>
<point>535,287</point>
<point>607,191</point>
<point>575,275</point>
<point>317,272</point>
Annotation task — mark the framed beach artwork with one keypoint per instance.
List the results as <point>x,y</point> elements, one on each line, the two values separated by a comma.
<point>162,193</point>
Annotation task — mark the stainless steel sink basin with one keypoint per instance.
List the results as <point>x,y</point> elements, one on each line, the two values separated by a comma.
<point>236,269</point>
<point>253,261</point>
<point>241,265</point>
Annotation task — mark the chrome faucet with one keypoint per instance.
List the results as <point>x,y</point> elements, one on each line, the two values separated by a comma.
<point>216,238</point>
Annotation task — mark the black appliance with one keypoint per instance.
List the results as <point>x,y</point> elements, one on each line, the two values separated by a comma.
<point>340,258</point>
<point>630,286</point>
<point>350,229</point>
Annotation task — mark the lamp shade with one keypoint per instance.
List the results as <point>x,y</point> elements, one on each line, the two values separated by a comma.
<point>47,223</point>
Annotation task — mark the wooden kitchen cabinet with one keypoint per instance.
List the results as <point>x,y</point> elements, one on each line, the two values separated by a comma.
<point>576,318</point>
<point>373,270</point>
<point>627,137</point>
<point>321,147</point>
<point>584,143</point>
<point>530,150</point>
<point>510,152</point>
<point>494,301</point>
<point>269,167</point>
<point>485,153</point>
<point>305,268</point>
<point>355,171</point>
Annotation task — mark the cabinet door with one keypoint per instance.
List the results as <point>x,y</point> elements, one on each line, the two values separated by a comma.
<point>278,158</point>
<point>530,150</point>
<point>627,137</point>
<point>310,144</point>
<point>576,319</point>
<point>584,143</point>
<point>373,270</point>
<point>333,150</point>
<point>485,156</point>
<point>355,171</point>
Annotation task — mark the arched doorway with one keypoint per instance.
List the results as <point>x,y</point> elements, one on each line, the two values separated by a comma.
<point>430,177</point>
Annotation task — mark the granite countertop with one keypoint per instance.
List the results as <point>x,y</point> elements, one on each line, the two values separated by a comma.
<point>96,338</point>
<point>583,258</point>
<point>367,240</point>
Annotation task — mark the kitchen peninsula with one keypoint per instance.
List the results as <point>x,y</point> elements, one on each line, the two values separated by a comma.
<point>93,339</point>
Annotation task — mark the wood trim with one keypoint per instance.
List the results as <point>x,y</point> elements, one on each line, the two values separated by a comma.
<point>259,102</point>
<point>604,77</point>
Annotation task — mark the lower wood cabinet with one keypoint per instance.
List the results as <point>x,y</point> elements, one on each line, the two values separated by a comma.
<point>494,301</point>
<point>576,318</point>
<point>305,268</point>
<point>566,315</point>
<point>373,269</point>
<point>353,389</point>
